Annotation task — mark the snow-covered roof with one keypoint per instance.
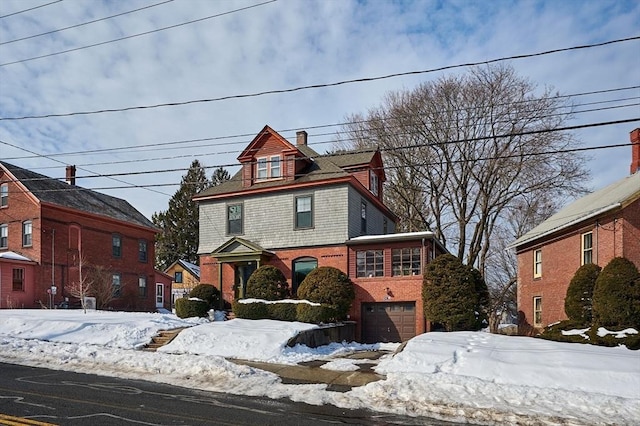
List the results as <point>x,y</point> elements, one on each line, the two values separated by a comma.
<point>193,268</point>
<point>11,255</point>
<point>392,237</point>
<point>604,200</point>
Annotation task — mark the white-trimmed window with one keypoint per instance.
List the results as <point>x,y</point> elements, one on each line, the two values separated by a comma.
<point>370,263</point>
<point>537,311</point>
<point>537,263</point>
<point>304,212</point>
<point>4,235</point>
<point>373,182</point>
<point>405,261</point>
<point>587,248</point>
<point>142,286</point>
<point>268,167</point>
<point>363,218</point>
<point>116,284</point>
<point>4,195</point>
<point>234,219</point>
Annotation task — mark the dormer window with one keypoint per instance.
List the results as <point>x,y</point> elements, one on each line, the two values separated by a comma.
<point>268,168</point>
<point>373,182</point>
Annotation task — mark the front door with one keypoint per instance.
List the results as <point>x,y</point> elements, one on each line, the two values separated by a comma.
<point>243,271</point>
<point>159,295</point>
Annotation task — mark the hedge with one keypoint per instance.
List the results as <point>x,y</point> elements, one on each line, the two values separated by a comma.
<point>188,308</point>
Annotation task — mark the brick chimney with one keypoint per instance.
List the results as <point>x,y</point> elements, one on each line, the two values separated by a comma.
<point>71,175</point>
<point>301,138</point>
<point>634,137</point>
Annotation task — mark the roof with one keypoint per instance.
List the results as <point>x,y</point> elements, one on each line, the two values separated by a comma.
<point>322,168</point>
<point>54,191</point>
<point>194,269</point>
<point>12,255</point>
<point>617,195</point>
<point>400,236</point>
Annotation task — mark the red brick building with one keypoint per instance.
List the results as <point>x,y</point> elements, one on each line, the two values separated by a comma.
<point>290,207</point>
<point>593,229</point>
<point>46,225</point>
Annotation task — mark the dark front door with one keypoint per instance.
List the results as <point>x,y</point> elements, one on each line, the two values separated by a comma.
<point>243,271</point>
<point>388,322</point>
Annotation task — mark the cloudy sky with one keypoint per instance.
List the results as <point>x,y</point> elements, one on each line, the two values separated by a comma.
<point>252,46</point>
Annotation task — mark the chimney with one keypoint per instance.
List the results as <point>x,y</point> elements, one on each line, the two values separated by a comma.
<point>301,138</point>
<point>71,175</point>
<point>634,137</point>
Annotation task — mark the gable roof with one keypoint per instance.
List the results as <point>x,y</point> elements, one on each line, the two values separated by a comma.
<point>192,268</point>
<point>53,191</point>
<point>617,195</point>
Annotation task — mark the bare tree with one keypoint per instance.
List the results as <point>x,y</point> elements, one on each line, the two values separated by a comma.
<point>460,155</point>
<point>103,289</point>
<point>82,287</point>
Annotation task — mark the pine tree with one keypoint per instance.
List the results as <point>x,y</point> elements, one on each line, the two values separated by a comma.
<point>178,238</point>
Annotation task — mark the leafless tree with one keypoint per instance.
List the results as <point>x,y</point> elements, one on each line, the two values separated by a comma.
<point>460,156</point>
<point>103,289</point>
<point>82,287</point>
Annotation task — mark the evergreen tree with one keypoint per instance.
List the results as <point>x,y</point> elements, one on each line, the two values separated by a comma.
<point>616,295</point>
<point>577,303</point>
<point>219,176</point>
<point>178,238</point>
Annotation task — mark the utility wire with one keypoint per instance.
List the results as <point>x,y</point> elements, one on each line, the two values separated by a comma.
<point>84,23</point>
<point>137,35</point>
<point>322,85</point>
<point>32,8</point>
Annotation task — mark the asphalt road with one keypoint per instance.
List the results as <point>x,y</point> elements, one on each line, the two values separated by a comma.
<point>41,396</point>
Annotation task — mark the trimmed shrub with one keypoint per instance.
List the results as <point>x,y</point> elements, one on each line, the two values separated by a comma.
<point>208,293</point>
<point>282,311</point>
<point>590,336</point>
<point>315,314</point>
<point>253,311</point>
<point>578,302</point>
<point>454,294</point>
<point>267,283</point>
<point>616,295</point>
<point>329,286</point>
<point>186,308</point>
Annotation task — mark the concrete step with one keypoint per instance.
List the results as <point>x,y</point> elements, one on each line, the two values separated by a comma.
<point>162,338</point>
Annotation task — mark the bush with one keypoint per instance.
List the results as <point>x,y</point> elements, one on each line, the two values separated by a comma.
<point>187,308</point>
<point>578,302</point>
<point>253,311</point>
<point>315,314</point>
<point>267,283</point>
<point>616,295</point>
<point>554,332</point>
<point>208,293</point>
<point>454,294</point>
<point>282,311</point>
<point>329,286</point>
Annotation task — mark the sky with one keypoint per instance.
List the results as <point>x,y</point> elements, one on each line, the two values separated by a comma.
<point>477,377</point>
<point>241,47</point>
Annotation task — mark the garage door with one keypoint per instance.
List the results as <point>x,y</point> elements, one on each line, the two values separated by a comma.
<point>388,322</point>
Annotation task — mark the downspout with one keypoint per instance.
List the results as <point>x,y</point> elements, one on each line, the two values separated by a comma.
<point>220,286</point>
<point>598,240</point>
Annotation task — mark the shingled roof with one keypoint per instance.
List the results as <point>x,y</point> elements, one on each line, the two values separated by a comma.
<point>53,191</point>
<point>323,167</point>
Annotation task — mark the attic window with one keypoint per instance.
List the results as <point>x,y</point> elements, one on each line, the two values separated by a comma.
<point>4,195</point>
<point>373,182</point>
<point>268,168</point>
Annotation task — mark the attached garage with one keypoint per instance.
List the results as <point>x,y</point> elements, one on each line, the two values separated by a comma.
<point>388,322</point>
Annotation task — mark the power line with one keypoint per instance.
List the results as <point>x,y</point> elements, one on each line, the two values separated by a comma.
<point>137,35</point>
<point>413,146</point>
<point>322,85</point>
<point>84,23</point>
<point>32,8</point>
<point>172,144</point>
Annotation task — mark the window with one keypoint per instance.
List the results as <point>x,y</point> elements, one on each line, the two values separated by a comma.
<point>142,286</point>
<point>301,267</point>
<point>268,168</point>
<point>234,219</point>
<point>537,263</point>
<point>18,279</point>
<point>116,285</point>
<point>373,182</point>
<point>27,229</point>
<point>142,250</point>
<point>275,167</point>
<point>537,311</point>
<point>4,195</point>
<point>4,235</point>
<point>385,226</point>
<point>363,217</point>
<point>587,248</point>
<point>406,261</point>
<point>369,263</point>
<point>304,212</point>
<point>177,277</point>
<point>116,245</point>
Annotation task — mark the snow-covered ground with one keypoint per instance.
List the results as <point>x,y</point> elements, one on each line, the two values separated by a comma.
<point>465,376</point>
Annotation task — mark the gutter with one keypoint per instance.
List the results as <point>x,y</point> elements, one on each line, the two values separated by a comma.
<point>566,225</point>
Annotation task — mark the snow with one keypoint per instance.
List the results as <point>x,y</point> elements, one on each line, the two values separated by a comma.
<point>474,377</point>
<point>11,255</point>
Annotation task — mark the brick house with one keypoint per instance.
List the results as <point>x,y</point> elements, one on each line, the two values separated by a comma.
<point>295,209</point>
<point>593,229</point>
<point>184,277</point>
<point>46,224</point>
